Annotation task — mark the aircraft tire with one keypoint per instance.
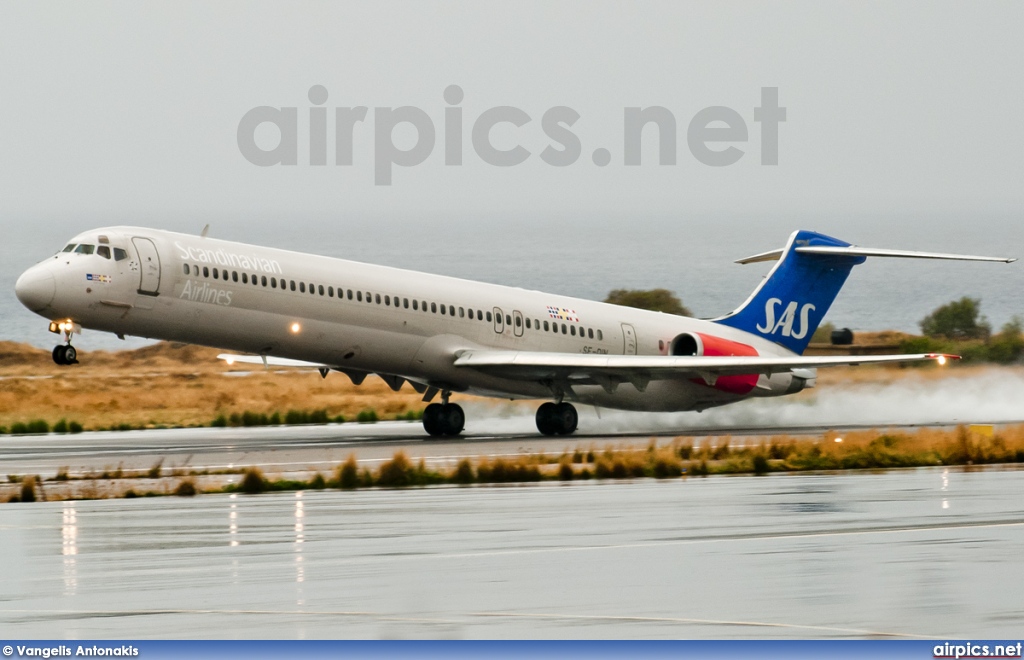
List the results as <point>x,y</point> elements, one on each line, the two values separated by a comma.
<point>452,419</point>
<point>70,355</point>
<point>547,421</point>
<point>432,420</point>
<point>567,417</point>
<point>58,354</point>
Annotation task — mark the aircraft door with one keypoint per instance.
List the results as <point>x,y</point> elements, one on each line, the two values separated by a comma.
<point>499,320</point>
<point>149,266</point>
<point>628,339</point>
<point>517,323</point>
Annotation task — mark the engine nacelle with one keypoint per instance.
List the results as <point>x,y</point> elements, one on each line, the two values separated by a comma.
<point>700,344</point>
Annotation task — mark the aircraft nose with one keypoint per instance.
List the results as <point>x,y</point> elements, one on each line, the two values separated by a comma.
<point>36,288</point>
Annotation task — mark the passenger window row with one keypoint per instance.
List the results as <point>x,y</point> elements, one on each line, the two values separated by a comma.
<point>386,300</point>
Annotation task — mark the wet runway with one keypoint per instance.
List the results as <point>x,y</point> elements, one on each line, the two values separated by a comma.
<point>303,449</point>
<point>931,552</point>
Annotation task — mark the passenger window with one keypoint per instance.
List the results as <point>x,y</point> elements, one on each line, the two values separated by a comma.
<point>433,308</point>
<point>442,310</point>
<point>387,300</point>
<point>349,291</point>
<point>103,251</point>
<point>416,305</point>
<point>245,278</point>
<point>330,292</point>
<point>564,331</point>
<point>480,315</point>
<point>291,284</point>
<point>369,297</point>
<point>312,289</point>
<point>119,254</point>
<point>545,326</point>
<point>359,296</point>
<point>273,282</point>
<point>234,276</point>
<point>264,280</point>
<point>600,335</point>
<point>424,305</point>
<point>69,247</point>
<point>302,287</point>
<point>377,298</point>
<point>572,330</point>
<point>206,271</point>
<point>527,324</point>
<point>489,317</point>
<point>508,320</point>
<point>186,269</point>
<point>85,249</point>
<point>590,332</point>
<point>519,321</point>
<point>405,303</point>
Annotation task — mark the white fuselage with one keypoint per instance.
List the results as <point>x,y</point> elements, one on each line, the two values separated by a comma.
<point>361,318</point>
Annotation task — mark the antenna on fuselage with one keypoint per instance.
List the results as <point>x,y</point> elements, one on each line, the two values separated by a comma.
<point>206,230</point>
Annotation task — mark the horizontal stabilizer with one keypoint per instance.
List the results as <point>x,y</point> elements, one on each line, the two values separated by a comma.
<point>855,251</point>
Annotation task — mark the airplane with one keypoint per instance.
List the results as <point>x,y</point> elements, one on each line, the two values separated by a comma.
<point>444,335</point>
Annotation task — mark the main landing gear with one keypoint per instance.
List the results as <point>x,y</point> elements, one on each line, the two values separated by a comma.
<point>444,419</point>
<point>557,418</point>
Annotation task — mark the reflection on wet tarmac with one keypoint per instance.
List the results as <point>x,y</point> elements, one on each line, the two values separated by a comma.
<point>927,552</point>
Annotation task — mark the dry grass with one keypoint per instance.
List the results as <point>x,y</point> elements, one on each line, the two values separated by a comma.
<point>166,385</point>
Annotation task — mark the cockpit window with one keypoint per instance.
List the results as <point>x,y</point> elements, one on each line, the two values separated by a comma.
<point>69,248</point>
<point>85,249</point>
<point>119,254</point>
<point>103,251</point>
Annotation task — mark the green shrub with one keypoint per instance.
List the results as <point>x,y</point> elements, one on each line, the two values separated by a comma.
<point>295,417</point>
<point>28,489</point>
<point>130,494</point>
<point>187,488</point>
<point>463,473</point>
<point>75,427</point>
<point>367,416</point>
<point>760,463</point>
<point>656,300</point>
<point>565,471</point>
<point>348,473</point>
<point>61,426</point>
<point>959,319</point>
<point>253,481</point>
<point>396,472</point>
<point>19,428</point>
<point>318,482</point>
<point>221,421</point>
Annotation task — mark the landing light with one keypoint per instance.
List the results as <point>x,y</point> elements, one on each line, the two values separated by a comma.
<point>942,360</point>
<point>839,439</point>
<point>230,361</point>
<point>295,328</point>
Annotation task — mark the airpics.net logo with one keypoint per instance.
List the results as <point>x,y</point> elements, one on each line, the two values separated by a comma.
<point>715,136</point>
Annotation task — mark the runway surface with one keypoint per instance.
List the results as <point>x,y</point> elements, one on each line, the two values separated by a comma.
<point>306,448</point>
<point>931,552</point>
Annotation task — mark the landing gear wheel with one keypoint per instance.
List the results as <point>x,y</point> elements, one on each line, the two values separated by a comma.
<point>432,419</point>
<point>453,419</point>
<point>557,418</point>
<point>65,354</point>
<point>444,419</point>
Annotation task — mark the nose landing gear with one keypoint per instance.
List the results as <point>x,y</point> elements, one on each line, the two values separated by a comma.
<point>557,418</point>
<point>65,354</point>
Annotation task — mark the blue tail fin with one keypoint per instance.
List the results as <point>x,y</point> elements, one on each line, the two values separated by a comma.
<point>791,302</point>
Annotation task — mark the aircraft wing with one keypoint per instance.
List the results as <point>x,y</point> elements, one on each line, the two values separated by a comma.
<point>538,366</point>
<point>270,361</point>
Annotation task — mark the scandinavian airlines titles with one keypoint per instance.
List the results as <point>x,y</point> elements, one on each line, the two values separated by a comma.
<point>785,322</point>
<point>225,258</point>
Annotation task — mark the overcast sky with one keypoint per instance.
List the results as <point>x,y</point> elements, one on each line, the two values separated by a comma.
<point>905,126</point>
<point>130,110</point>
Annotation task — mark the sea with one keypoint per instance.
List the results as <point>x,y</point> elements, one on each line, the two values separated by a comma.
<point>587,257</point>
